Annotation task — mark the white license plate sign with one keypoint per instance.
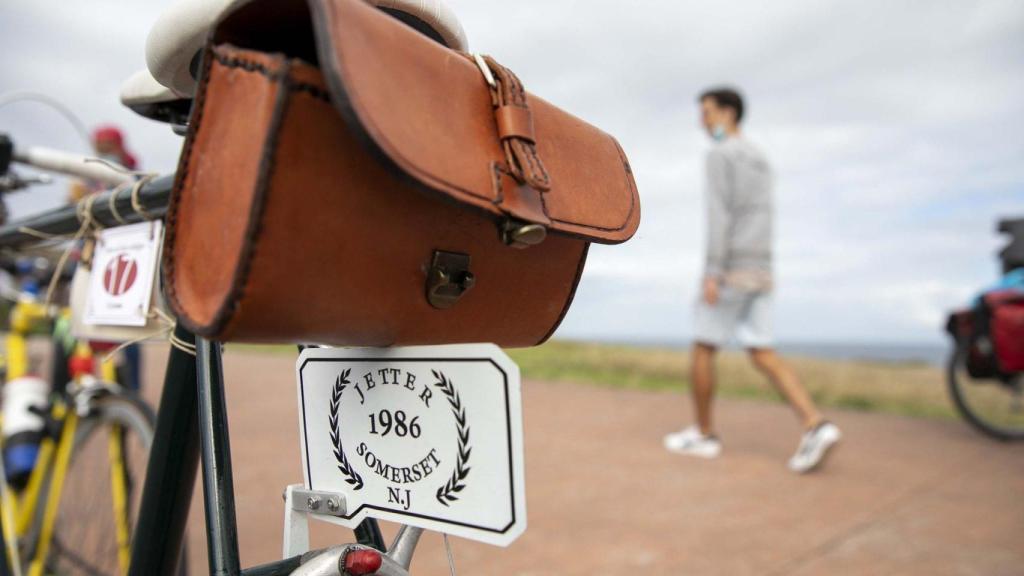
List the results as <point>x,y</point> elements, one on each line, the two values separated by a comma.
<point>425,436</point>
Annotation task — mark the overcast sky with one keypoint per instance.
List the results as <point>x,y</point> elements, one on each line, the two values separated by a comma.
<point>896,130</point>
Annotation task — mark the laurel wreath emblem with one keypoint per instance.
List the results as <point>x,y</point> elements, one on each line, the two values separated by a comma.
<point>351,476</point>
<point>447,492</point>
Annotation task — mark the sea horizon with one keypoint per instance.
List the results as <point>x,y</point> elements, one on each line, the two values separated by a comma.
<point>930,353</point>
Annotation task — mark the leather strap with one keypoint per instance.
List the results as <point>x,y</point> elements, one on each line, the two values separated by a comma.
<point>515,122</point>
<point>515,127</point>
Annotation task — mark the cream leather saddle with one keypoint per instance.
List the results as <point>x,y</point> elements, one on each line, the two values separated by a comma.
<point>164,90</point>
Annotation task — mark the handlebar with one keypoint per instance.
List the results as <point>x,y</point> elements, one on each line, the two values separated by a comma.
<point>152,197</point>
<point>71,164</point>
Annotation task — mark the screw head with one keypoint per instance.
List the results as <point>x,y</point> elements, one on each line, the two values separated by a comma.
<point>313,502</point>
<point>332,505</point>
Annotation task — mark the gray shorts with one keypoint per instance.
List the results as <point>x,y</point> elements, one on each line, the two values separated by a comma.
<point>747,316</point>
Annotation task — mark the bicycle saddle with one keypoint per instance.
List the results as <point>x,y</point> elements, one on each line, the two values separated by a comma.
<point>147,97</point>
<point>176,40</point>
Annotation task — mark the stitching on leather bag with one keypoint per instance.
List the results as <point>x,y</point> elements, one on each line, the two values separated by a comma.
<point>279,76</point>
<point>382,147</point>
<point>347,103</point>
<point>223,315</point>
<point>247,65</point>
<point>497,170</point>
<point>536,166</point>
<point>630,186</point>
<point>228,315</point>
<point>194,127</point>
<point>240,286</point>
<point>179,185</point>
<point>572,295</point>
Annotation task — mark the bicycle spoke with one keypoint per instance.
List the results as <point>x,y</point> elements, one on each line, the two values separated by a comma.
<point>97,512</point>
<point>79,562</point>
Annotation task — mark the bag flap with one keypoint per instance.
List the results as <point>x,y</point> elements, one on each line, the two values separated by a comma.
<point>430,113</point>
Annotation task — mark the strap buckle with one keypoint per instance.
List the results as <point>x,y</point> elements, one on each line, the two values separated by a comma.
<point>486,70</point>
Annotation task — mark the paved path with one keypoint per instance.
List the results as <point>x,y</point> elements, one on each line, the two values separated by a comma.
<point>901,496</point>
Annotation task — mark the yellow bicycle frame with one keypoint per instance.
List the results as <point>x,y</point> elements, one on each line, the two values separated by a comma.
<point>19,511</point>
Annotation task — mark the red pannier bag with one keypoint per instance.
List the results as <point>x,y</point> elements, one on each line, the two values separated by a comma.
<point>1007,328</point>
<point>966,327</point>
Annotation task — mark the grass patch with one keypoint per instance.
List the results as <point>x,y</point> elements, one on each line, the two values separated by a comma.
<point>908,389</point>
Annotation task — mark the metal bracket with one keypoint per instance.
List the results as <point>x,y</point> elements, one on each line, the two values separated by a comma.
<point>317,502</point>
<point>299,504</point>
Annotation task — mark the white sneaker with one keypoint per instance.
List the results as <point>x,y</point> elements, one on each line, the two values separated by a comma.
<point>690,441</point>
<point>814,447</point>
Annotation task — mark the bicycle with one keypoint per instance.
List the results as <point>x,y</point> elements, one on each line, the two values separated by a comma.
<point>988,396</point>
<point>95,440</point>
<point>191,425</point>
<point>71,508</point>
<point>191,429</point>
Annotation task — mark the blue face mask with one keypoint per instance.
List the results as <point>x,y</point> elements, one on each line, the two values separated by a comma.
<point>718,133</point>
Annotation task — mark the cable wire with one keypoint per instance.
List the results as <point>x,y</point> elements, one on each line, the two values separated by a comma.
<point>25,95</point>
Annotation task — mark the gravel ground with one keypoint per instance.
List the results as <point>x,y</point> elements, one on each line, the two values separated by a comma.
<point>901,496</point>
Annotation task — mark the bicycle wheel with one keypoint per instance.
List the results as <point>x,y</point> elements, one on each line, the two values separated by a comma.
<point>994,407</point>
<point>102,489</point>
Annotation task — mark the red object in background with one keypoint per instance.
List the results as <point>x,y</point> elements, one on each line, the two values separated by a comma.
<point>108,133</point>
<point>101,347</point>
<point>1007,328</point>
<point>113,135</point>
<point>361,562</point>
<point>80,365</point>
<point>980,363</point>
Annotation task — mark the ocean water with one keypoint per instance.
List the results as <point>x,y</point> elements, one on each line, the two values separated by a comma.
<point>902,353</point>
<point>897,353</point>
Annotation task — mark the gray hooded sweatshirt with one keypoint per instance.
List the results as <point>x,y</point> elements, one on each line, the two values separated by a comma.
<point>739,204</point>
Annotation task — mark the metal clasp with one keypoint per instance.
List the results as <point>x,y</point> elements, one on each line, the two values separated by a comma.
<point>448,279</point>
<point>486,70</point>
<point>521,234</point>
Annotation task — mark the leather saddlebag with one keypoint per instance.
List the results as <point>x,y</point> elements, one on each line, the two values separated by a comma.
<point>348,180</point>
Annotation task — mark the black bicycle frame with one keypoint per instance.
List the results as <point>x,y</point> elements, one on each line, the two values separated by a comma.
<point>191,426</point>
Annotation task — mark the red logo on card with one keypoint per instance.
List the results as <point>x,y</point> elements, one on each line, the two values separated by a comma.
<point>119,275</point>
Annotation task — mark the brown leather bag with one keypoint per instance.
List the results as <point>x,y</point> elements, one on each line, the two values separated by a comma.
<point>348,180</point>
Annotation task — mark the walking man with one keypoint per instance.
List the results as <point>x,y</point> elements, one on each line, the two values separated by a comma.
<point>736,291</point>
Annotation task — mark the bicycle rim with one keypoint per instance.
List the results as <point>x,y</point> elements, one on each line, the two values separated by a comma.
<point>102,489</point>
<point>993,407</point>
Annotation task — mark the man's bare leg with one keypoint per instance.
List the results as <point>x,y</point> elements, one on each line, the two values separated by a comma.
<point>702,378</point>
<point>787,383</point>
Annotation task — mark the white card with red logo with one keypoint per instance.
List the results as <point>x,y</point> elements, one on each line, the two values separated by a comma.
<point>124,267</point>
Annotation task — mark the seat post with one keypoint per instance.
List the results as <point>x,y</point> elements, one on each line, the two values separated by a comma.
<point>171,471</point>
<point>218,484</point>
